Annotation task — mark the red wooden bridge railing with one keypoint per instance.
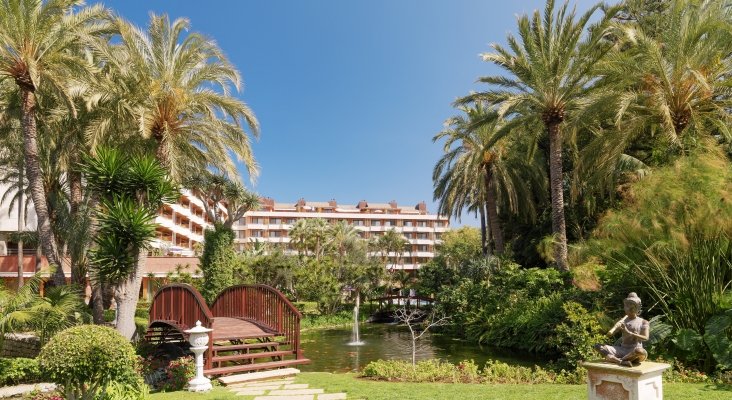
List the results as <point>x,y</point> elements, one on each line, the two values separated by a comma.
<point>264,305</point>
<point>180,305</point>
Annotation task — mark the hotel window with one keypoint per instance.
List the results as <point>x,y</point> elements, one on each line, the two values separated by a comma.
<point>274,221</point>
<point>438,236</point>
<point>256,220</point>
<point>274,234</point>
<point>422,236</point>
<point>389,222</point>
<point>407,223</point>
<point>421,224</point>
<point>256,233</point>
<point>375,222</point>
<point>357,222</point>
<point>422,247</point>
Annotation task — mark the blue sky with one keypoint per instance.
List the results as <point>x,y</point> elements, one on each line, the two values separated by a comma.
<point>349,93</point>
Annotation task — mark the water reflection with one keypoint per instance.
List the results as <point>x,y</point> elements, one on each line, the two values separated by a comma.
<point>329,349</point>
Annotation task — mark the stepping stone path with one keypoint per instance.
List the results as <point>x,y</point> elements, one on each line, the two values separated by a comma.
<point>282,389</point>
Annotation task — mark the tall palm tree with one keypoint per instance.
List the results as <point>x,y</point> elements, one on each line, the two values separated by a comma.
<point>175,90</point>
<point>11,164</point>
<point>672,82</point>
<point>483,165</point>
<point>39,43</point>
<point>310,236</point>
<point>298,236</point>
<point>548,79</point>
<point>341,238</point>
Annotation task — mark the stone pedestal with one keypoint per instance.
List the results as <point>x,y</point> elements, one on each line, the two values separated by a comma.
<point>606,381</point>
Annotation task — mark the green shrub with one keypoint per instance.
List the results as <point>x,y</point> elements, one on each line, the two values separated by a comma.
<point>494,372</point>
<point>85,359</point>
<point>576,337</point>
<point>124,391</point>
<point>497,372</point>
<point>14,371</point>
<point>521,323</point>
<point>423,371</point>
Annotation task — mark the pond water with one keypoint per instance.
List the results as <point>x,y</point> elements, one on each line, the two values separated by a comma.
<point>329,351</point>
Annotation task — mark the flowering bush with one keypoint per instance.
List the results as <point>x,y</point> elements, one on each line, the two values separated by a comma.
<point>174,376</point>
<point>38,395</point>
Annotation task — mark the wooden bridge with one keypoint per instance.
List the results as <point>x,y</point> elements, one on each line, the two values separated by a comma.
<point>254,327</point>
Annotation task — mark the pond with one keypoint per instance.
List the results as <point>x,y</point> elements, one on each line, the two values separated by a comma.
<point>329,349</point>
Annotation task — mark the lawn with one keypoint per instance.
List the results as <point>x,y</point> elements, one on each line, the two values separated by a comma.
<point>376,390</point>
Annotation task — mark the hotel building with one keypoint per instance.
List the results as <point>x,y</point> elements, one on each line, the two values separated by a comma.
<point>272,222</point>
<point>180,229</point>
<point>181,225</point>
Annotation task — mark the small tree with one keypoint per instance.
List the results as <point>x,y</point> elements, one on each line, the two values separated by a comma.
<point>130,189</point>
<point>415,319</point>
<point>217,262</point>
<point>218,258</point>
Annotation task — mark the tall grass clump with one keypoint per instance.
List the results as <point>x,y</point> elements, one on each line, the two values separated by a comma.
<point>671,242</point>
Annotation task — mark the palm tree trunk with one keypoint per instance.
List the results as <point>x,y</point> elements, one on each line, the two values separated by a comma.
<point>78,276</point>
<point>126,294</point>
<point>35,182</point>
<point>97,302</point>
<point>556,181</point>
<point>483,233</point>
<point>21,225</point>
<point>492,210</point>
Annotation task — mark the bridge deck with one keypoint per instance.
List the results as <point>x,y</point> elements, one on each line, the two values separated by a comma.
<point>234,328</point>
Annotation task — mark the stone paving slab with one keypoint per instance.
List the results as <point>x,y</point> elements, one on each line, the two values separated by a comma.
<point>266,383</point>
<point>250,392</point>
<point>258,376</point>
<point>272,388</point>
<point>332,396</point>
<point>296,386</point>
<point>269,387</point>
<point>295,392</point>
<point>9,391</point>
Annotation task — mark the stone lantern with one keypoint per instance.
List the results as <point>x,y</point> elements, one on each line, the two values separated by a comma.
<point>198,338</point>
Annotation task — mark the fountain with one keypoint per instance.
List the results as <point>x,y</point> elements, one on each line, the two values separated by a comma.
<point>355,338</point>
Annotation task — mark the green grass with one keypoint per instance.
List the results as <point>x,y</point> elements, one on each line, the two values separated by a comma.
<point>357,388</point>
<point>311,319</point>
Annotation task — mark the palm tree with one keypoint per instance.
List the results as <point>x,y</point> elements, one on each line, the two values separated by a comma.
<point>175,90</point>
<point>25,309</point>
<point>549,77</point>
<point>298,236</point>
<point>39,51</point>
<point>341,238</point>
<point>672,83</point>
<point>479,166</point>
